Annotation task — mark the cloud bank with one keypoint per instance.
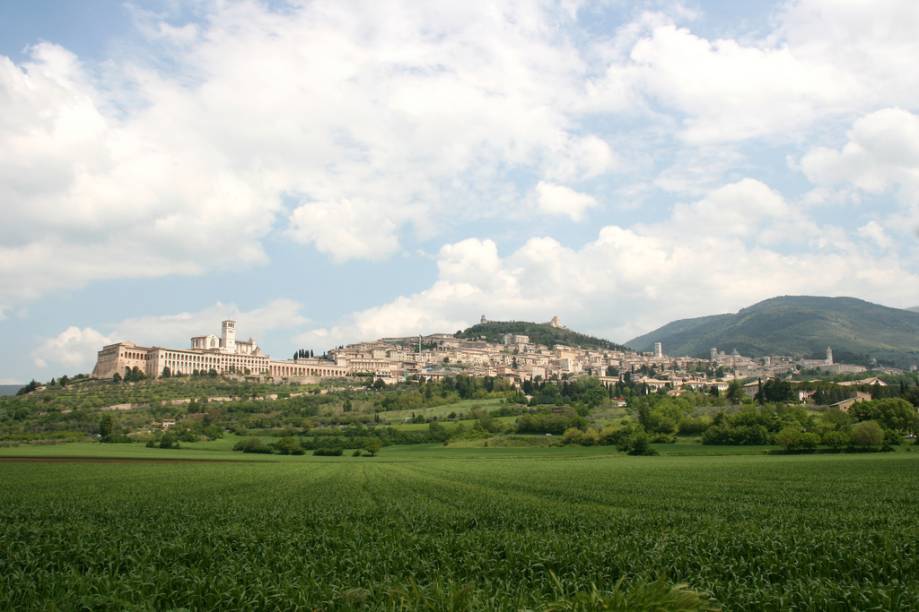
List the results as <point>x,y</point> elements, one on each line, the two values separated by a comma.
<point>642,151</point>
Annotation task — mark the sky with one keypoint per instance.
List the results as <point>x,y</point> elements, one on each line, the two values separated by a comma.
<point>332,171</point>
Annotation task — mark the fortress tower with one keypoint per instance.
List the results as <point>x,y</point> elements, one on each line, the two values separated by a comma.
<point>228,336</point>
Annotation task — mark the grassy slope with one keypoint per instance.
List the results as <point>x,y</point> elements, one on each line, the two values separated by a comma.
<point>94,394</point>
<point>217,450</point>
<point>796,325</point>
<point>483,528</point>
<point>461,407</point>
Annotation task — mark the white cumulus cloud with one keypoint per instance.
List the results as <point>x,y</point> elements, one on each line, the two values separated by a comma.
<point>713,255</point>
<point>824,59</point>
<point>345,125</point>
<point>69,349</point>
<point>370,118</point>
<point>880,156</point>
<point>554,199</point>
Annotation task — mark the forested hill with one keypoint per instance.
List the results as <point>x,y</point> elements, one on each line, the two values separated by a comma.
<point>539,333</point>
<point>798,325</point>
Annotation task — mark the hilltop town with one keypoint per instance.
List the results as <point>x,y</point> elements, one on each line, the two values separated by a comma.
<point>515,358</point>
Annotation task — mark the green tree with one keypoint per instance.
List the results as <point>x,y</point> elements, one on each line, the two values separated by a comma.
<point>32,386</point>
<point>867,434</point>
<point>373,446</point>
<point>105,428</point>
<point>636,443</point>
<point>836,439</point>
<point>896,414</point>
<point>893,414</point>
<point>735,392</point>
<point>837,419</point>
<point>438,432</point>
<point>252,445</point>
<point>169,440</point>
<point>775,391</point>
<point>288,446</point>
<point>793,439</point>
<point>573,435</point>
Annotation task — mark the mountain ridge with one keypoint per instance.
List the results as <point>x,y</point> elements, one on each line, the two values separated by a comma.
<point>10,389</point>
<point>857,330</point>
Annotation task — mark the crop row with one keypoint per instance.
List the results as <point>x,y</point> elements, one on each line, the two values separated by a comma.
<point>753,532</point>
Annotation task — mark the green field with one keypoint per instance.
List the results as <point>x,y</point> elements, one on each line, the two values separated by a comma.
<point>425,527</point>
<point>462,408</point>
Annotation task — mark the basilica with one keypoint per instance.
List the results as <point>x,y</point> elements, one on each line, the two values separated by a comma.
<point>222,354</point>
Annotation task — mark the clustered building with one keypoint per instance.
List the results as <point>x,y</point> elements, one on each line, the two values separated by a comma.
<point>772,365</point>
<point>436,356</point>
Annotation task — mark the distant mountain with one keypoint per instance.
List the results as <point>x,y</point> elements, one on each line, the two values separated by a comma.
<point>539,333</point>
<point>798,325</point>
<point>10,389</point>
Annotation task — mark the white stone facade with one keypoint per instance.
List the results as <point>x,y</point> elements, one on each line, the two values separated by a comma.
<point>223,355</point>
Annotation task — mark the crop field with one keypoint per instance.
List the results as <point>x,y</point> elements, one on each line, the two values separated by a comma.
<point>455,529</point>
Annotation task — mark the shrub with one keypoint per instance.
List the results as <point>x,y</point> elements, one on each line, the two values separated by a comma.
<point>288,446</point>
<point>608,436</point>
<point>328,452</point>
<point>894,414</point>
<point>573,435</point>
<point>549,422</point>
<point>693,426</point>
<point>836,439</point>
<point>793,439</point>
<point>867,434</point>
<point>169,441</point>
<point>252,445</point>
<point>637,443</point>
<point>727,434</point>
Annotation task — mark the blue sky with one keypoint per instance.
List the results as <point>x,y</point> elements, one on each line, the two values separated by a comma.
<point>332,171</point>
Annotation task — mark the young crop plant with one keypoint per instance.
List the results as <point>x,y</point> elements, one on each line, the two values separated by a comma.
<point>567,528</point>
